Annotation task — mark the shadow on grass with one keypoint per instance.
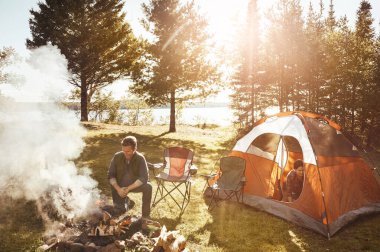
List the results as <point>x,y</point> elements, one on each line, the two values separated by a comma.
<point>160,135</point>
<point>170,223</point>
<point>237,227</point>
<point>100,150</point>
<point>20,226</point>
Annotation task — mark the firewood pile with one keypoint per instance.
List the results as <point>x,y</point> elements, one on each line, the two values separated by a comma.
<point>103,232</point>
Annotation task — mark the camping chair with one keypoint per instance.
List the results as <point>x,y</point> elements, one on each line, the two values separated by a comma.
<point>230,181</point>
<point>174,175</point>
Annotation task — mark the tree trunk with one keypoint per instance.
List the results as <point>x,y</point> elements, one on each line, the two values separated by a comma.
<point>252,102</point>
<point>280,95</point>
<point>309,93</point>
<point>83,102</point>
<point>369,134</point>
<point>344,107</point>
<point>172,112</point>
<point>353,103</point>
<point>329,109</point>
<point>286,95</point>
<point>317,96</point>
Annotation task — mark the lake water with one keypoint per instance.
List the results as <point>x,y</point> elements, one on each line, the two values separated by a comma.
<point>222,116</point>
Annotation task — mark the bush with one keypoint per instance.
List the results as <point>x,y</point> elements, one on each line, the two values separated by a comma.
<point>138,113</point>
<point>104,108</point>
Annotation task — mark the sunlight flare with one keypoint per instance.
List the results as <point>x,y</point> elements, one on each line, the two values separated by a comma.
<point>224,17</point>
<point>297,241</point>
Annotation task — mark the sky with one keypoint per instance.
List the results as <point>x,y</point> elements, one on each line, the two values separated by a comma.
<point>14,15</point>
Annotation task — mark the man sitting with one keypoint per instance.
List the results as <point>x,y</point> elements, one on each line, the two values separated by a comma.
<point>128,172</point>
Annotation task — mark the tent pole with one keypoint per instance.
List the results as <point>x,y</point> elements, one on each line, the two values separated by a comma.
<point>285,147</point>
<point>274,162</point>
<point>363,151</point>
<point>319,174</point>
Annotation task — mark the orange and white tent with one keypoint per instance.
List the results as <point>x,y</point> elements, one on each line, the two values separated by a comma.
<point>338,184</point>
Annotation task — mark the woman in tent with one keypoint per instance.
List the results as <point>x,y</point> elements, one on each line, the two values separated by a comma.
<point>294,181</point>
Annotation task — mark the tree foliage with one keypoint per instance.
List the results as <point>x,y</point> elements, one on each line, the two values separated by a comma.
<point>245,84</point>
<point>92,34</point>
<point>105,108</point>
<point>318,64</point>
<point>138,113</point>
<point>5,58</point>
<point>177,68</point>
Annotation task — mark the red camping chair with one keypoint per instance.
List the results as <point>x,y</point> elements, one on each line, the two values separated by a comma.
<point>230,181</point>
<point>174,175</point>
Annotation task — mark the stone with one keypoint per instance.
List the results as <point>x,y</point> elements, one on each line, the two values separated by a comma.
<point>109,248</point>
<point>88,248</point>
<point>42,248</point>
<point>52,241</point>
<point>77,247</point>
<point>120,244</point>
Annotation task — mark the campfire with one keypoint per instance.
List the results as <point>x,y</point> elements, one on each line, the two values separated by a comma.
<point>106,231</point>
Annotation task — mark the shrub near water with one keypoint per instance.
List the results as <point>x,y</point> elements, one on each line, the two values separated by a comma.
<point>138,113</point>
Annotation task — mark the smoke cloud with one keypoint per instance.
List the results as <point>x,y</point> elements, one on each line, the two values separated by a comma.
<point>39,141</point>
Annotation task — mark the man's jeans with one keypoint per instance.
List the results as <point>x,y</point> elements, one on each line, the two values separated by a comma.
<point>146,190</point>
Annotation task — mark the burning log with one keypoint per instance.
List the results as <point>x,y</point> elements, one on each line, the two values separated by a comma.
<point>104,232</point>
<point>170,241</point>
<point>123,225</point>
<point>46,247</point>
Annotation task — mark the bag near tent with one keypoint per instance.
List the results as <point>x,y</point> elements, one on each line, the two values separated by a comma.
<point>338,184</point>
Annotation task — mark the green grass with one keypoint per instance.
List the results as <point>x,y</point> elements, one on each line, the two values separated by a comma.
<point>229,227</point>
<point>20,226</point>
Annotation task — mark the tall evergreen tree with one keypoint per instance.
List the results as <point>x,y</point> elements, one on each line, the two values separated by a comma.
<point>373,135</point>
<point>285,48</point>
<point>246,82</point>
<point>93,36</point>
<point>331,20</point>
<point>329,66</point>
<point>363,73</point>
<point>313,74</point>
<point>177,68</point>
<point>344,64</point>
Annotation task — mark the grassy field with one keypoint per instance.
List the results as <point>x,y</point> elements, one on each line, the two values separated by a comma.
<point>230,227</point>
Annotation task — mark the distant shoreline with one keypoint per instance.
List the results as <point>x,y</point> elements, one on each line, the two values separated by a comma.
<point>76,105</point>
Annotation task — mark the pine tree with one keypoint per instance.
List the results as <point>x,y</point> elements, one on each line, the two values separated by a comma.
<point>331,20</point>
<point>93,36</point>
<point>364,68</point>
<point>314,74</point>
<point>285,48</point>
<point>246,83</point>
<point>330,49</point>
<point>177,68</point>
<point>373,135</point>
<point>341,77</point>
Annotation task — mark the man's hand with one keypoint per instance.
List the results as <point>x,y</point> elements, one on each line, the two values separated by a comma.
<point>123,191</point>
<point>126,191</point>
